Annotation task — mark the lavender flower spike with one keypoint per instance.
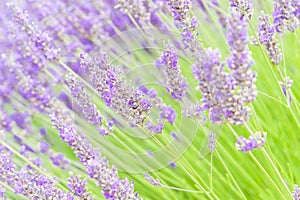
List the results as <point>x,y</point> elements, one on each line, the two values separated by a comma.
<point>81,97</point>
<point>41,40</point>
<point>239,62</point>
<point>78,187</point>
<point>245,6</point>
<point>175,83</point>
<point>284,16</point>
<point>212,142</point>
<point>180,10</point>
<point>115,91</point>
<point>266,34</point>
<point>97,166</point>
<point>28,182</point>
<point>253,142</point>
<point>152,180</point>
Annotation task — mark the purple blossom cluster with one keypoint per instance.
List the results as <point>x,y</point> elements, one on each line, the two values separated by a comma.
<point>78,187</point>
<point>180,10</point>
<point>253,142</point>
<point>117,94</point>
<point>175,83</point>
<point>33,71</point>
<point>27,181</point>
<point>97,166</point>
<point>212,84</point>
<point>212,141</point>
<point>41,40</point>
<point>88,109</point>
<point>166,112</point>
<point>244,6</point>
<point>240,62</point>
<point>267,37</point>
<point>224,94</point>
<point>152,180</point>
<point>285,15</point>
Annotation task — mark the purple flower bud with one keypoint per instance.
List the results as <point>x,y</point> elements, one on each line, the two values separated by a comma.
<point>59,160</point>
<point>152,180</point>
<point>152,93</point>
<point>37,161</point>
<point>44,146</point>
<point>43,131</point>
<point>168,113</point>
<point>253,142</point>
<point>173,165</point>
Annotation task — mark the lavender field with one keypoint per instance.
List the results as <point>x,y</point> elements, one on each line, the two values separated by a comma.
<point>158,100</point>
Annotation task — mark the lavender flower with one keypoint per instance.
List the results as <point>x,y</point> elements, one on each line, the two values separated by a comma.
<point>212,142</point>
<point>253,142</point>
<point>296,192</point>
<point>157,128</point>
<point>82,98</point>
<point>130,103</point>
<point>78,187</point>
<point>27,181</point>
<point>175,83</point>
<point>212,84</point>
<point>245,6</point>
<point>284,16</point>
<point>168,113</point>
<point>180,10</point>
<point>152,180</point>
<point>239,62</point>
<point>96,166</point>
<point>266,34</point>
<point>139,9</point>
<point>32,89</point>
<point>40,39</point>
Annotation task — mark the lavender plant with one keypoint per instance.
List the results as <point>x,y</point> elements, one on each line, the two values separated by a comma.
<point>141,99</point>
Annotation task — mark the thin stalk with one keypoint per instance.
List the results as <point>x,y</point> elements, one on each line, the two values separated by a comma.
<point>276,171</point>
<point>231,176</point>
<point>266,173</point>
